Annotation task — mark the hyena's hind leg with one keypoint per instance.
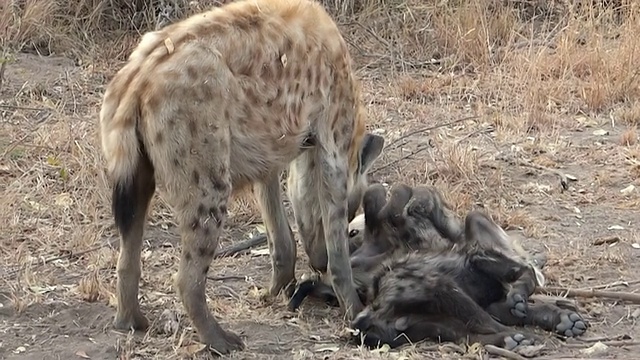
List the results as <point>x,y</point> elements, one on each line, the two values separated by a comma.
<point>481,231</point>
<point>130,206</point>
<point>198,187</point>
<point>428,203</point>
<point>282,246</point>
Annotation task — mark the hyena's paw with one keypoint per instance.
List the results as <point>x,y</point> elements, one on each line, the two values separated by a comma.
<point>571,324</point>
<point>517,305</point>
<point>511,341</point>
<point>133,320</point>
<point>221,342</point>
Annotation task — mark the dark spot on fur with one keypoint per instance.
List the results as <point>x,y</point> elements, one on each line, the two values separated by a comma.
<point>171,123</point>
<point>287,46</point>
<point>193,128</point>
<point>206,270</point>
<point>219,185</point>
<point>201,210</point>
<point>340,213</point>
<point>196,176</point>
<point>159,138</point>
<point>176,162</point>
<point>202,251</point>
<point>205,141</point>
<point>187,256</point>
<point>215,213</point>
<point>195,223</point>
<point>192,73</point>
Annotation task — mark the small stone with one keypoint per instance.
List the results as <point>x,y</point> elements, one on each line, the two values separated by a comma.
<point>628,190</point>
<point>600,132</point>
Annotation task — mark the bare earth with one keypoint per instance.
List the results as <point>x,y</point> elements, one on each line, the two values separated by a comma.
<point>58,247</point>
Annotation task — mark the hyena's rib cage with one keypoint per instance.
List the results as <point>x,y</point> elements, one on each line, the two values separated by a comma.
<point>227,99</point>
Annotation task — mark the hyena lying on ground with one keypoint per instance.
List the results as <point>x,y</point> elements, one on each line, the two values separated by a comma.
<point>426,275</point>
<point>228,99</point>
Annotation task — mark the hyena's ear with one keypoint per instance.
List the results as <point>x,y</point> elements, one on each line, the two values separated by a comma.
<point>372,202</point>
<point>371,149</point>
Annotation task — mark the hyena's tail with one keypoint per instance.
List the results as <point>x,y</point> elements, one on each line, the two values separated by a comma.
<point>129,169</point>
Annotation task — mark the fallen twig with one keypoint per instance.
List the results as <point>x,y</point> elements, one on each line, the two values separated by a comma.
<point>623,296</point>
<point>3,66</point>
<point>421,130</point>
<point>242,246</point>
<point>603,338</point>
<point>16,107</point>
<point>494,350</point>
<point>615,343</point>
<point>229,277</point>
<point>226,252</point>
<point>564,181</point>
<point>418,150</point>
<point>613,284</point>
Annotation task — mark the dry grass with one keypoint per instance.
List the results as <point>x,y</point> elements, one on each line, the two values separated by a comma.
<point>539,77</point>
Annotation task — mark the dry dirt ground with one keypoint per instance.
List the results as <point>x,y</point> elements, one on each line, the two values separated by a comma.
<point>504,110</point>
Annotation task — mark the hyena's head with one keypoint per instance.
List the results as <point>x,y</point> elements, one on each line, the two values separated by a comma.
<point>369,151</point>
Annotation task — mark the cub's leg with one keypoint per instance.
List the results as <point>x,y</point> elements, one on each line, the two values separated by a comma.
<point>130,206</point>
<point>427,203</point>
<point>544,315</point>
<point>403,291</point>
<point>282,246</point>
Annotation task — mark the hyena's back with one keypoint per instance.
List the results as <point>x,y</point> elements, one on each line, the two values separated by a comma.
<point>249,85</point>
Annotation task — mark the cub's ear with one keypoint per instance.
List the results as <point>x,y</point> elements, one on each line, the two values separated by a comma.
<point>371,149</point>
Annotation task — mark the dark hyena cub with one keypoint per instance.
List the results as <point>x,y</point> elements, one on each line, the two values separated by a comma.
<point>465,279</point>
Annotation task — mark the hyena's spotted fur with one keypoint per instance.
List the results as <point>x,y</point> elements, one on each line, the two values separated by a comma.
<point>228,99</point>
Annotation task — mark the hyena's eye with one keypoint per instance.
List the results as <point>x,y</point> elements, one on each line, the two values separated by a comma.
<point>354,232</point>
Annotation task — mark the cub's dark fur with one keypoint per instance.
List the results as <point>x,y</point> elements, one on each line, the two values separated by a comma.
<point>424,274</point>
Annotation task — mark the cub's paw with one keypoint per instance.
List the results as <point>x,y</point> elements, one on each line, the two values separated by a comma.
<point>518,305</point>
<point>571,324</point>
<point>511,341</point>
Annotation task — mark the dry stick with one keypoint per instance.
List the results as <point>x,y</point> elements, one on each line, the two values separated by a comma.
<point>564,182</point>
<point>614,343</point>
<point>16,107</point>
<point>624,296</point>
<point>494,350</point>
<point>613,284</point>
<point>3,67</point>
<point>226,252</point>
<point>419,150</point>
<point>602,338</point>
<point>242,246</point>
<point>432,128</point>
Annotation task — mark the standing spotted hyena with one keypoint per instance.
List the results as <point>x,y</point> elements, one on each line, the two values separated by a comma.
<point>227,99</point>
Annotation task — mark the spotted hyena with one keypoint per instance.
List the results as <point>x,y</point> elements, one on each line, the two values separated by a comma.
<point>228,99</point>
<point>425,274</point>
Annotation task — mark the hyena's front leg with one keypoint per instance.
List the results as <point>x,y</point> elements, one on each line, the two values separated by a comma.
<point>134,200</point>
<point>332,186</point>
<point>282,246</point>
